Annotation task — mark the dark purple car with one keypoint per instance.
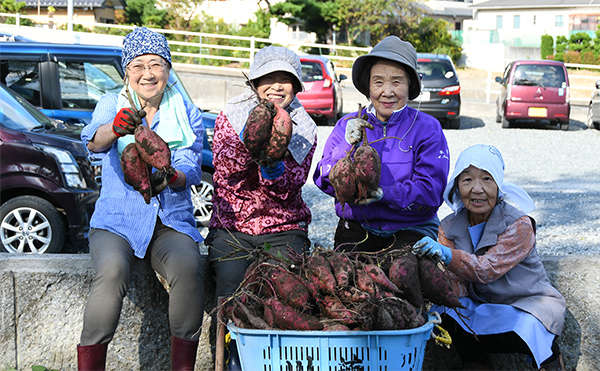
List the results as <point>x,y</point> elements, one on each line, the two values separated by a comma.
<point>47,183</point>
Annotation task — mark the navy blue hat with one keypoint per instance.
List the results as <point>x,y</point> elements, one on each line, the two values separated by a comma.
<point>394,49</point>
<point>142,41</point>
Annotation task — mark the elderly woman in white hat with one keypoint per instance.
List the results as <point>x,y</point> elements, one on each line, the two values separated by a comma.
<point>488,245</point>
<point>412,148</point>
<point>159,228</point>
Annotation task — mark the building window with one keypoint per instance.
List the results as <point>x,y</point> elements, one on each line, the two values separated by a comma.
<point>517,21</point>
<point>498,22</point>
<point>558,21</point>
<point>584,22</point>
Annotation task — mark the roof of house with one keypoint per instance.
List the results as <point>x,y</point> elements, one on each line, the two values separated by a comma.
<point>511,4</point>
<point>118,4</point>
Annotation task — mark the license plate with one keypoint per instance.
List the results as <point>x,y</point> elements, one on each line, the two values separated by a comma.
<point>537,112</point>
<point>424,97</point>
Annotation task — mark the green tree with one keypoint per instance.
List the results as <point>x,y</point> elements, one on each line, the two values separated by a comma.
<point>13,7</point>
<point>547,46</point>
<point>379,18</point>
<point>432,36</point>
<point>314,15</point>
<point>560,47</point>
<point>145,13</point>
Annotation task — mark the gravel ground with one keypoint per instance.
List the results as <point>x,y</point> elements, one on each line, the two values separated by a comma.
<point>558,169</point>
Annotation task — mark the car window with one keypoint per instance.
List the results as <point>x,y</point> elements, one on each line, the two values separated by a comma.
<point>17,114</point>
<point>433,70</point>
<point>23,77</point>
<point>539,75</point>
<point>82,84</point>
<point>312,71</point>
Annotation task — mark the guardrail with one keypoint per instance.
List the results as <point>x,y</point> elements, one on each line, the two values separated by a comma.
<point>244,55</point>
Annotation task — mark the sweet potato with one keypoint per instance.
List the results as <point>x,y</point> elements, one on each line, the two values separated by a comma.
<point>253,319</point>
<point>288,318</point>
<point>289,288</point>
<point>404,272</point>
<point>135,171</point>
<point>365,283</point>
<point>367,166</point>
<point>152,148</point>
<point>352,294</point>
<point>258,128</point>
<point>343,179</point>
<point>335,326</point>
<point>378,276</point>
<point>332,307</point>
<point>343,269</point>
<point>435,284</point>
<point>281,134</point>
<point>320,268</point>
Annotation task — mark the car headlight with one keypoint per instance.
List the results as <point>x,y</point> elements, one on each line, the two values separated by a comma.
<point>68,165</point>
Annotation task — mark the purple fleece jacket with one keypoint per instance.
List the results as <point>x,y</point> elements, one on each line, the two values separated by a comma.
<point>414,170</point>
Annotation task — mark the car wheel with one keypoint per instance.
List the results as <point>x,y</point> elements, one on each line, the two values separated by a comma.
<point>505,123</point>
<point>590,119</point>
<point>454,123</point>
<point>564,126</point>
<point>202,200</point>
<point>498,116</point>
<point>339,112</point>
<point>31,224</point>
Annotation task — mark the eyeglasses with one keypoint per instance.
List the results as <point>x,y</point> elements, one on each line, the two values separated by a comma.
<point>154,67</point>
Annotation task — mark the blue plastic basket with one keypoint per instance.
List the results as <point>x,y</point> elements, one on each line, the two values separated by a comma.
<point>275,350</point>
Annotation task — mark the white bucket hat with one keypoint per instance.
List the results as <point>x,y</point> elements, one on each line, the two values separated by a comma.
<point>276,58</point>
<point>488,158</point>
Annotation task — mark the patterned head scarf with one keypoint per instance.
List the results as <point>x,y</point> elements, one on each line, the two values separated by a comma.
<point>488,158</point>
<point>143,41</point>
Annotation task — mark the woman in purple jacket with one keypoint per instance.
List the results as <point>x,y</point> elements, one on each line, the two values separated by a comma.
<point>414,154</point>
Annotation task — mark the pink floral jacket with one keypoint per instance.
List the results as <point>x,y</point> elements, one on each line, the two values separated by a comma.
<point>245,201</point>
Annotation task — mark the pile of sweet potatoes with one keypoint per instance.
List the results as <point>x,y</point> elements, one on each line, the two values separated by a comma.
<point>339,291</point>
<point>137,160</point>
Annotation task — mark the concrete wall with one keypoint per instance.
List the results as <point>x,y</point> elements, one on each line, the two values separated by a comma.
<point>42,300</point>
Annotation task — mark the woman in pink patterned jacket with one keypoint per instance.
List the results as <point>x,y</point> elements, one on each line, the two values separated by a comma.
<point>256,205</point>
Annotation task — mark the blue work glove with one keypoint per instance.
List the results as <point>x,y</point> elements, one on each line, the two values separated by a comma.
<point>273,172</point>
<point>373,196</point>
<point>436,251</point>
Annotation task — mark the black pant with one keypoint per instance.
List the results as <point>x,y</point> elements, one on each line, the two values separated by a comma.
<point>229,265</point>
<point>475,349</point>
<point>351,236</point>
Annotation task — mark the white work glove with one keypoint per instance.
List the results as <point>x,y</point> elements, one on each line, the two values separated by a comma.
<point>354,130</point>
<point>373,196</point>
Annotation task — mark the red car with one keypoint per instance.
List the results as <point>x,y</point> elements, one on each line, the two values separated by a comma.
<point>534,90</point>
<point>322,95</point>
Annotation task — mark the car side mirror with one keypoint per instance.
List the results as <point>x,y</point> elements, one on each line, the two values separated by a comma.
<point>343,77</point>
<point>498,79</point>
<point>598,84</point>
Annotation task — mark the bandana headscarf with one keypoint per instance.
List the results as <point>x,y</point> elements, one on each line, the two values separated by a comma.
<point>143,41</point>
<point>488,158</point>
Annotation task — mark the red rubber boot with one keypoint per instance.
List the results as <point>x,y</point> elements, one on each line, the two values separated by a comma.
<point>183,354</point>
<point>91,357</point>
